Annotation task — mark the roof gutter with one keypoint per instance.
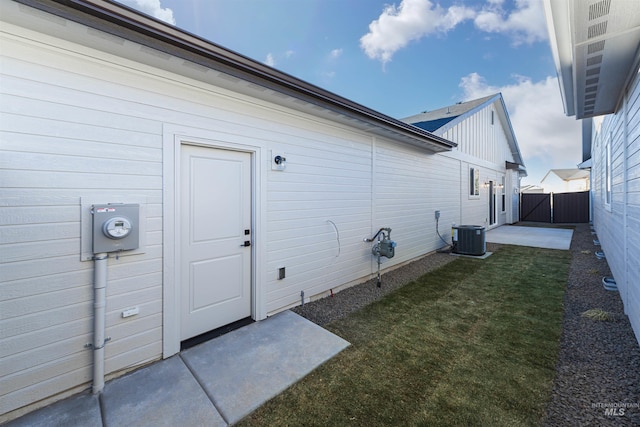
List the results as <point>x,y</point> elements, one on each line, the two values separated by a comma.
<point>229,62</point>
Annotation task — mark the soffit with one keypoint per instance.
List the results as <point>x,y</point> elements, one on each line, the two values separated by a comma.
<point>596,51</point>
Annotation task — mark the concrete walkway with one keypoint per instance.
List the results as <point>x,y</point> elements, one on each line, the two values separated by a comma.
<point>537,237</point>
<point>216,383</point>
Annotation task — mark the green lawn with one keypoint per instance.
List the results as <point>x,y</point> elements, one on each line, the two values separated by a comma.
<point>473,343</point>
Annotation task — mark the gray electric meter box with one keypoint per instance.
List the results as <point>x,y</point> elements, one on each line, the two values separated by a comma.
<point>116,227</point>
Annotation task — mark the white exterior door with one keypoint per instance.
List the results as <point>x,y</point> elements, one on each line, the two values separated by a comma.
<point>215,251</point>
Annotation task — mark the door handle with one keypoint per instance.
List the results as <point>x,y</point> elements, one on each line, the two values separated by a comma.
<point>246,243</point>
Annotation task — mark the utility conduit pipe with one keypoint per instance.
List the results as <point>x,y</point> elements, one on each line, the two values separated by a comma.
<point>99,320</point>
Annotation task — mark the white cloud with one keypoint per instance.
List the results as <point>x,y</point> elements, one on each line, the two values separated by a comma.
<point>526,24</point>
<point>545,135</point>
<point>270,60</point>
<point>336,53</point>
<point>153,8</point>
<point>415,19</point>
<point>412,20</point>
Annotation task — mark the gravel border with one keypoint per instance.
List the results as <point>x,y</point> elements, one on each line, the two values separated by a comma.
<point>599,361</point>
<point>341,304</point>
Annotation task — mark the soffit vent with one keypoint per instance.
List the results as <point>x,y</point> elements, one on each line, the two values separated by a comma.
<point>256,87</point>
<point>593,71</point>
<point>591,88</point>
<point>594,60</point>
<point>590,96</point>
<point>229,78</point>
<point>599,9</point>
<point>593,81</point>
<point>595,47</point>
<point>597,30</point>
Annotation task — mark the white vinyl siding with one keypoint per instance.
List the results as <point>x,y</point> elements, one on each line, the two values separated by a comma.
<point>62,140</point>
<point>618,222</point>
<point>327,178</point>
<point>409,187</point>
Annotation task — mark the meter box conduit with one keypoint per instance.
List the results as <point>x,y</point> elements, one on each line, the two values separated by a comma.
<point>469,240</point>
<point>116,228</point>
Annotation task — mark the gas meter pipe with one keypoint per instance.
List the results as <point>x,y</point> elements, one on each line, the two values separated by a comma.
<point>385,247</point>
<point>377,234</point>
<point>99,320</point>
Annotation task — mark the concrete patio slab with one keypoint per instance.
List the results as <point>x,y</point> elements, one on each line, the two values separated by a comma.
<point>243,369</point>
<point>537,237</point>
<point>78,411</point>
<point>162,394</point>
<point>216,383</point>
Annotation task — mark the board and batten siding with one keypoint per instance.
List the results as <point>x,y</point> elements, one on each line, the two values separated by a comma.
<point>617,219</point>
<point>477,136</point>
<point>483,145</point>
<point>77,124</point>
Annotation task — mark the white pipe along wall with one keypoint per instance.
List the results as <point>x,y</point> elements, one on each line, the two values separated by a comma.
<point>99,319</point>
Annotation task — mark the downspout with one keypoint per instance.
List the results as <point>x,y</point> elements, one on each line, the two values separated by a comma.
<point>99,320</point>
<point>625,210</point>
<point>373,193</point>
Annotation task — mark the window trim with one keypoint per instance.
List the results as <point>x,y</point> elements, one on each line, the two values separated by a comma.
<point>608,175</point>
<point>503,195</point>
<point>474,183</point>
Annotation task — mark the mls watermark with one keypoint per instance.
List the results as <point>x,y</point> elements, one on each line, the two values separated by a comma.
<point>616,409</point>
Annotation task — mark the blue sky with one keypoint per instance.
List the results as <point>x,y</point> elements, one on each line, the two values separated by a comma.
<point>403,57</point>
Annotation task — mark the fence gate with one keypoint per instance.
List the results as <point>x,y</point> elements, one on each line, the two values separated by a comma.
<point>555,207</point>
<point>571,207</point>
<point>535,207</point>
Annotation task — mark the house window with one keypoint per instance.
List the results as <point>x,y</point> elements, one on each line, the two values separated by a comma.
<point>503,195</point>
<point>474,182</point>
<point>607,174</point>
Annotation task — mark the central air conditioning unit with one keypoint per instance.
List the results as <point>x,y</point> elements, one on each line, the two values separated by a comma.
<point>469,240</point>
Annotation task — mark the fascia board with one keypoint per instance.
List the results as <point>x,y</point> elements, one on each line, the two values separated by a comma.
<point>558,17</point>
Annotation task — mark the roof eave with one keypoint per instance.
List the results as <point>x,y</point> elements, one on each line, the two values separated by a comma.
<point>557,16</point>
<point>238,66</point>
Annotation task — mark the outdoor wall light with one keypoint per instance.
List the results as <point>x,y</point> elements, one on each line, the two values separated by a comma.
<point>278,162</point>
